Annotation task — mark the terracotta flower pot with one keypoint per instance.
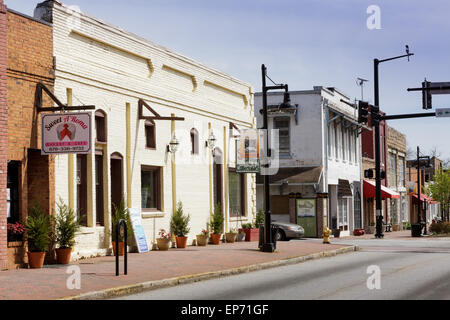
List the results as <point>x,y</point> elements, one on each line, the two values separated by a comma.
<point>181,242</point>
<point>36,259</point>
<point>251,234</point>
<point>163,244</point>
<point>63,255</point>
<point>202,240</point>
<point>215,238</point>
<point>121,248</point>
<point>230,237</point>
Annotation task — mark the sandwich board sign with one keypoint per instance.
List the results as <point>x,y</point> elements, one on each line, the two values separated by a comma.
<point>66,133</point>
<point>138,230</point>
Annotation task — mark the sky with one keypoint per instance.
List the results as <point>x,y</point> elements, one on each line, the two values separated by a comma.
<point>304,43</point>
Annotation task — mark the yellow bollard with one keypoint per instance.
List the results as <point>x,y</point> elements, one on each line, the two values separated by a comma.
<point>326,235</point>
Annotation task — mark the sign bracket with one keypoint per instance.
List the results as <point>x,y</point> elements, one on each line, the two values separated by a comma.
<point>40,87</point>
<point>156,115</point>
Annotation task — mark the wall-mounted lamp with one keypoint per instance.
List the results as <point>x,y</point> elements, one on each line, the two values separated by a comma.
<point>173,145</point>
<point>211,142</point>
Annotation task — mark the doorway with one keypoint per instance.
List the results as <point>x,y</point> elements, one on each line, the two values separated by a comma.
<point>217,177</point>
<point>12,191</point>
<point>116,180</point>
<point>99,190</point>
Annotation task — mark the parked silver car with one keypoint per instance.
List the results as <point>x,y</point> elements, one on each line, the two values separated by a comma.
<point>286,231</point>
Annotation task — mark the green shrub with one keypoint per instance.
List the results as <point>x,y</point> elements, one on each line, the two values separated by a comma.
<point>179,224</point>
<point>259,218</point>
<point>440,228</point>
<point>66,226</point>
<point>247,226</point>
<point>38,229</point>
<point>217,220</point>
<point>121,212</point>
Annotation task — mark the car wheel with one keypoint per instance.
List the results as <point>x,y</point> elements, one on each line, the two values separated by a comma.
<point>280,236</point>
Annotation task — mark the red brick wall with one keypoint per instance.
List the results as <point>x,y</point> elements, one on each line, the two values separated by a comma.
<point>3,139</point>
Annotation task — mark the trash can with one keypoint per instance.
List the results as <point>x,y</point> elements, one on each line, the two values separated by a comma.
<point>261,236</point>
<point>416,230</point>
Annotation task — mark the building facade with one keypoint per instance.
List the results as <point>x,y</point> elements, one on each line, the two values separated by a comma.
<point>30,175</point>
<point>398,208</point>
<point>318,180</point>
<point>3,140</point>
<point>129,79</point>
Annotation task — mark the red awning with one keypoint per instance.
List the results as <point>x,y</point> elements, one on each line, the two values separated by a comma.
<point>386,193</point>
<point>423,198</point>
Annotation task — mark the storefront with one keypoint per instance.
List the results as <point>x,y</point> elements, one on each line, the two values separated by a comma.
<point>161,132</point>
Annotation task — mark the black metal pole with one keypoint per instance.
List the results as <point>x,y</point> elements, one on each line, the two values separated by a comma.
<point>125,260</point>
<point>268,244</point>
<point>378,205</point>
<point>419,216</point>
<point>117,248</point>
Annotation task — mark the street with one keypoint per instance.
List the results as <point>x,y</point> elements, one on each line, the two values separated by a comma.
<point>410,269</point>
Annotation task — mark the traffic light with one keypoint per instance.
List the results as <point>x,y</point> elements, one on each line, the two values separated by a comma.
<point>363,112</point>
<point>426,95</point>
<point>368,174</point>
<point>374,115</point>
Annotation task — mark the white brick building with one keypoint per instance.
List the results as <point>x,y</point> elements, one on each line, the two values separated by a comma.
<point>102,65</point>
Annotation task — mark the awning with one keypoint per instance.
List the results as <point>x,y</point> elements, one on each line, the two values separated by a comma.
<point>299,175</point>
<point>423,198</point>
<point>344,190</point>
<point>386,193</point>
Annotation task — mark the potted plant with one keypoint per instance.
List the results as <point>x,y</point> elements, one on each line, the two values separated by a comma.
<point>38,232</point>
<point>251,232</point>
<point>164,240</point>
<point>202,238</point>
<point>15,232</point>
<point>231,236</point>
<point>371,228</point>
<point>120,212</point>
<point>179,226</point>
<point>66,226</point>
<point>217,225</point>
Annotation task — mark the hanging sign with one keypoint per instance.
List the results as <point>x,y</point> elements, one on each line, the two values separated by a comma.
<point>247,152</point>
<point>66,133</point>
<point>138,230</point>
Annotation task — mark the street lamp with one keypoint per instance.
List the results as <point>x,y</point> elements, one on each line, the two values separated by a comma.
<point>173,144</point>
<point>211,142</point>
<point>376,122</point>
<point>268,244</point>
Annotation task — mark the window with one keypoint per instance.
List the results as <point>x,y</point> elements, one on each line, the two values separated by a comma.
<point>336,141</point>
<point>343,214</point>
<point>392,170</point>
<point>100,126</point>
<point>150,135</point>
<point>194,141</point>
<point>236,182</point>
<point>151,188</point>
<point>283,124</point>
<point>330,139</point>
<point>344,142</point>
<point>401,172</point>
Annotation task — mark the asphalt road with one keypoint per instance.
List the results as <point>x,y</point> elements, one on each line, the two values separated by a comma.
<point>409,269</point>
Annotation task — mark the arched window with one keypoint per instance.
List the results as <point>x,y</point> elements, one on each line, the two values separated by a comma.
<point>150,135</point>
<point>100,126</point>
<point>194,141</point>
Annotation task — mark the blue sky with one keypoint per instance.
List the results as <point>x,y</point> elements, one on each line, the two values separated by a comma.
<point>304,43</point>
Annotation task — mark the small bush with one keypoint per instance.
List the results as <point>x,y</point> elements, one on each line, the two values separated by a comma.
<point>440,228</point>
<point>121,212</point>
<point>259,218</point>
<point>38,229</point>
<point>180,222</point>
<point>217,220</point>
<point>66,226</point>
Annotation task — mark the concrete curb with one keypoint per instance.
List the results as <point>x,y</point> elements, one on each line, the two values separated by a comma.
<point>158,284</point>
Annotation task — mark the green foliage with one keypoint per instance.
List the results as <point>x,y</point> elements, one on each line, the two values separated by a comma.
<point>259,218</point>
<point>38,229</point>
<point>121,212</point>
<point>217,220</point>
<point>247,226</point>
<point>439,189</point>
<point>180,222</point>
<point>66,226</point>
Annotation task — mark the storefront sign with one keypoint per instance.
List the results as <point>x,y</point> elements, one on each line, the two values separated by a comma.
<point>138,230</point>
<point>306,208</point>
<point>66,133</point>
<point>247,152</point>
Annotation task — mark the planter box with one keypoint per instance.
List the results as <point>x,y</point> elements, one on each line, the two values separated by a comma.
<point>17,255</point>
<point>251,234</point>
<point>370,230</point>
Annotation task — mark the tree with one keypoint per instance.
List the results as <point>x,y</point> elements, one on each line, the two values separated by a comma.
<point>439,190</point>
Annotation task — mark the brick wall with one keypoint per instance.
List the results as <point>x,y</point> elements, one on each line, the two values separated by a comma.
<point>3,139</point>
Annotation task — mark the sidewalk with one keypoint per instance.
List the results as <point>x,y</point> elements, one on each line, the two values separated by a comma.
<point>158,269</point>
<point>397,235</point>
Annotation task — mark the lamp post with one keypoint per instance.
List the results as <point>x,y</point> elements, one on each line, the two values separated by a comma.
<point>376,122</point>
<point>419,206</point>
<point>268,244</point>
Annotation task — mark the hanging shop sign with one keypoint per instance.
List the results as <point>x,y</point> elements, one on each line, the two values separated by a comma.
<point>248,151</point>
<point>138,230</point>
<point>66,133</point>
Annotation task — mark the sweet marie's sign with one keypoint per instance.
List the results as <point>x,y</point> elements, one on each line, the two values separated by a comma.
<point>66,133</point>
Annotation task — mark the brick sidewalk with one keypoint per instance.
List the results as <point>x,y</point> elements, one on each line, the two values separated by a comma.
<point>99,273</point>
